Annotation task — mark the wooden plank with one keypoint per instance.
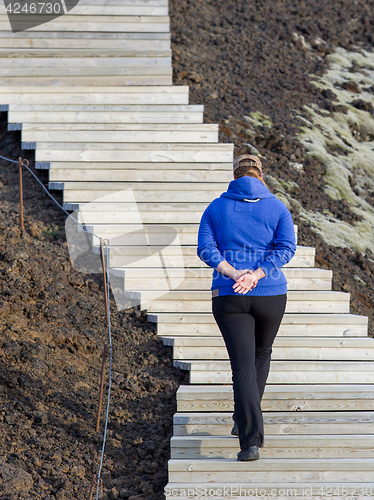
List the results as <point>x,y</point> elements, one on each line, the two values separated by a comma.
<point>339,330</point>
<point>298,320</point>
<point>109,116</point>
<point>111,187</point>
<point>285,409</point>
<point>127,175</point>
<point>94,43</point>
<point>277,446</point>
<point>130,24</point>
<point>36,55</point>
<point>64,93</point>
<point>82,80</point>
<point>351,353</point>
<point>182,136</point>
<point>116,230</point>
<point>141,195</point>
<point>112,10</point>
<point>40,34</point>
<point>142,283</point>
<point>157,306</point>
<point>213,148</point>
<point>38,66</point>
<point>281,422</point>
<point>87,70</point>
<point>336,344</point>
<point>133,108</point>
<point>205,295</point>
<point>317,372</point>
<point>98,99</point>
<point>48,152</point>
<point>318,470</point>
<point>73,19</point>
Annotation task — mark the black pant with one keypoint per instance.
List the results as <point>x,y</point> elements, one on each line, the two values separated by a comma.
<point>248,326</point>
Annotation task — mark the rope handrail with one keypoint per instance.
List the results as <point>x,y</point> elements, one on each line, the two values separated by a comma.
<point>97,477</point>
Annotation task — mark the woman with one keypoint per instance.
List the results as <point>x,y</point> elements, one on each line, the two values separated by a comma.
<point>246,235</point>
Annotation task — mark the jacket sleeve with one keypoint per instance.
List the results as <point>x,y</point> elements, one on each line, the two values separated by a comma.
<point>285,245</point>
<point>207,249</point>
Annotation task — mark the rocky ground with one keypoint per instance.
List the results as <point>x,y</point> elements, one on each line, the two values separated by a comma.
<point>249,64</point>
<point>52,333</point>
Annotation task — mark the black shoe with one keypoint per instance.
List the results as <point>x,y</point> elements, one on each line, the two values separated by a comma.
<point>250,453</point>
<point>235,430</point>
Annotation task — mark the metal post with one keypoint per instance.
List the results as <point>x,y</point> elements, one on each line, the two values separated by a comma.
<point>93,483</point>
<point>20,191</point>
<point>104,275</point>
<point>105,352</point>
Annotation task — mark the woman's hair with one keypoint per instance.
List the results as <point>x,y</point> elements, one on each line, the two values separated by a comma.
<point>250,171</point>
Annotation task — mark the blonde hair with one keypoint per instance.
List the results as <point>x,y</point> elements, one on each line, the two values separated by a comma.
<point>249,171</point>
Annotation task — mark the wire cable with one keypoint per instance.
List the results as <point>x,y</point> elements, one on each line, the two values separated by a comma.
<point>49,194</point>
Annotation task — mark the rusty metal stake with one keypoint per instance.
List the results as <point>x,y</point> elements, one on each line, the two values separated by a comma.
<point>93,482</point>
<point>20,164</point>
<point>20,191</point>
<point>105,353</point>
<point>104,274</point>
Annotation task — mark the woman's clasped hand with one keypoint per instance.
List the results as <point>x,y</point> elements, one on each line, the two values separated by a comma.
<point>244,281</point>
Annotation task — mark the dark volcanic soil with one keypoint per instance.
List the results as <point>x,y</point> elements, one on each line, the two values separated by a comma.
<point>53,328</point>
<point>240,57</point>
<point>237,57</point>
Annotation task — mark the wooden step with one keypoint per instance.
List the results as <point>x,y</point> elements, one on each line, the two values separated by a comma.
<point>95,108</point>
<point>118,231</point>
<point>94,80</point>
<point>142,136</point>
<point>85,192</point>
<point>42,53</point>
<point>319,445</point>
<point>336,408</point>
<point>113,10</point>
<point>117,234</point>
<point>35,66</point>
<point>156,279</point>
<point>313,325</point>
<point>94,70</point>
<point>96,98</point>
<point>200,301</point>
<point>22,93</point>
<point>292,348</point>
<point>68,22</point>
<point>94,41</point>
<point>142,195</point>
<point>183,257</point>
<point>127,175</point>
<point>190,114</point>
<point>273,470</point>
<point>284,372</point>
<point>140,152</point>
<point>70,151</point>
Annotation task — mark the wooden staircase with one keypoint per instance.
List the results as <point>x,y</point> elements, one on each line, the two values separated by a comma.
<point>92,93</point>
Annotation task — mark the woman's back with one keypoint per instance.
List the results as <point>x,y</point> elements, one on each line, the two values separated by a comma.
<point>249,227</point>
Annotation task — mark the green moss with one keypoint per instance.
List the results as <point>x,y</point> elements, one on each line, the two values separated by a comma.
<point>344,144</point>
<point>257,119</point>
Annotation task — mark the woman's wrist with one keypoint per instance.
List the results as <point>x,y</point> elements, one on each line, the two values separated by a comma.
<point>225,268</point>
<point>259,273</point>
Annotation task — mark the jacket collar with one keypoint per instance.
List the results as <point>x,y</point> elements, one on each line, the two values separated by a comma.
<point>247,187</point>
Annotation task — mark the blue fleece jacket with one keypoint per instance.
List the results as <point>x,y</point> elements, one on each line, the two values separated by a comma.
<point>248,227</point>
